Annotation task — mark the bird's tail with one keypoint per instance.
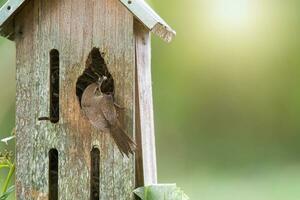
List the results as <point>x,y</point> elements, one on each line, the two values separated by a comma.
<point>123,141</point>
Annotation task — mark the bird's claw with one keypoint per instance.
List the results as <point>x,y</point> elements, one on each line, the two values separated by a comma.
<point>119,106</point>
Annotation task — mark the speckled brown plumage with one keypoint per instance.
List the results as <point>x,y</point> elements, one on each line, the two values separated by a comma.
<point>101,111</point>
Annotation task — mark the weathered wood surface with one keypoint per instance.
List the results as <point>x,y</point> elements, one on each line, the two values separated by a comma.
<point>146,158</point>
<point>140,9</point>
<point>73,28</point>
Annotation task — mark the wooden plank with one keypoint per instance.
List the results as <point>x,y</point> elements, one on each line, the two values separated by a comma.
<point>140,9</point>
<point>25,97</point>
<point>44,135</point>
<point>64,149</point>
<point>145,104</point>
<point>139,171</point>
<point>41,87</point>
<point>75,144</point>
<point>113,34</point>
<point>73,28</point>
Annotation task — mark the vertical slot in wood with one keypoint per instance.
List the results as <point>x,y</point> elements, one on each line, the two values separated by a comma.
<point>53,174</point>
<point>95,174</point>
<point>54,86</point>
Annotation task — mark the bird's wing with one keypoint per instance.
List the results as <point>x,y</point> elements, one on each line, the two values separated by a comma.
<point>108,109</point>
<point>88,94</point>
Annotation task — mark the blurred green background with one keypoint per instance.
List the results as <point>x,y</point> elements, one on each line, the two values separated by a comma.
<point>226,95</point>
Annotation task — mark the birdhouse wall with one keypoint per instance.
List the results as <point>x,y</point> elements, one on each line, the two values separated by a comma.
<point>73,28</point>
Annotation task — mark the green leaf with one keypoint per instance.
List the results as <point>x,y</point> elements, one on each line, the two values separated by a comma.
<point>7,193</point>
<point>4,166</point>
<point>161,192</point>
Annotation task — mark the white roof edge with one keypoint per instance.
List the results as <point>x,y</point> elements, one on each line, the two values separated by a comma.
<point>8,9</point>
<point>143,12</point>
<point>139,8</point>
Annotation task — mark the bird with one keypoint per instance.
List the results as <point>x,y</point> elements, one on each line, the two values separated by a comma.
<point>101,111</point>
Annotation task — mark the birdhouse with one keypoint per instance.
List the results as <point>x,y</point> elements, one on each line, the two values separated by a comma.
<point>62,47</point>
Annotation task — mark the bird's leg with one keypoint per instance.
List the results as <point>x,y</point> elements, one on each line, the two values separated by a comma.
<point>119,106</point>
<point>120,109</point>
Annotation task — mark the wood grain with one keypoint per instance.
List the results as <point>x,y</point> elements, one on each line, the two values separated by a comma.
<point>25,97</point>
<point>73,28</point>
<point>144,107</point>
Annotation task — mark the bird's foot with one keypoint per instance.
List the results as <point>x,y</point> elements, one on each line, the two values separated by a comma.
<point>119,106</point>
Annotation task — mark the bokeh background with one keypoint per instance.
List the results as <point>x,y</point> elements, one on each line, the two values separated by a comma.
<point>226,95</point>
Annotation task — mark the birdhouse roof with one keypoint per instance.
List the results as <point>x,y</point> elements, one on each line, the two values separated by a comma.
<point>139,8</point>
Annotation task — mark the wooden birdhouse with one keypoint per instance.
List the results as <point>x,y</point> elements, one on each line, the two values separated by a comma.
<point>62,46</point>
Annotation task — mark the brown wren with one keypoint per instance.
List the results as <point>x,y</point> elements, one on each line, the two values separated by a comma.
<point>101,111</point>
